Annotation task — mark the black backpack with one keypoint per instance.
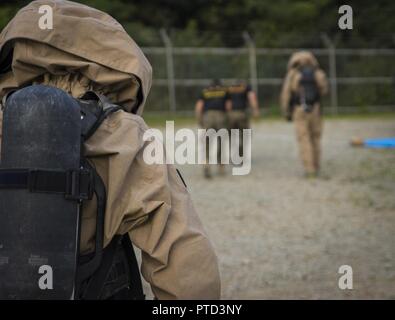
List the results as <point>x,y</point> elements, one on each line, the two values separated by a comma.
<point>308,92</point>
<point>44,179</point>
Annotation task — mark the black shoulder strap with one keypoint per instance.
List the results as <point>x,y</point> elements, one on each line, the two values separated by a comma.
<point>85,270</point>
<point>136,289</point>
<point>95,109</point>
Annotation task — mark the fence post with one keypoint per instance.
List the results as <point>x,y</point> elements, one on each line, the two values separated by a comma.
<point>170,69</point>
<point>332,71</point>
<point>252,61</point>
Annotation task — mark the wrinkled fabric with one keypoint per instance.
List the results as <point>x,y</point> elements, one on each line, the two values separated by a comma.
<point>83,41</point>
<point>149,202</point>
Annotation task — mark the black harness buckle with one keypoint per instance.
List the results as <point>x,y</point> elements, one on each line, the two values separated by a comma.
<point>79,184</point>
<point>32,178</point>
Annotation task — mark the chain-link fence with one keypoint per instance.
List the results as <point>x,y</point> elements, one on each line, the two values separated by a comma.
<point>361,79</point>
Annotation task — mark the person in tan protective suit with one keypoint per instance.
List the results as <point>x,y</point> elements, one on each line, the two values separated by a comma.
<point>89,50</point>
<point>304,85</point>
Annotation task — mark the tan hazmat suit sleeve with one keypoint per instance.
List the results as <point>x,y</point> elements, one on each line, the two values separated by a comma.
<point>153,205</point>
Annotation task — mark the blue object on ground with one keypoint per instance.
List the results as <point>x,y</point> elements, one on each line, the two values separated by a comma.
<point>380,143</point>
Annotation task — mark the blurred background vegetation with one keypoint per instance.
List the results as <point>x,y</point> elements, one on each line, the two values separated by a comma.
<point>220,22</point>
<point>271,24</point>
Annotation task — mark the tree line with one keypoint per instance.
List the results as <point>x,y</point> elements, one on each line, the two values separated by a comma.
<point>280,23</point>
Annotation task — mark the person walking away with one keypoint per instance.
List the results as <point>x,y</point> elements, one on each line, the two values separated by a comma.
<point>304,86</point>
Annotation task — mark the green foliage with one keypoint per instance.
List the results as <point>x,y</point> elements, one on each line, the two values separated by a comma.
<point>221,22</point>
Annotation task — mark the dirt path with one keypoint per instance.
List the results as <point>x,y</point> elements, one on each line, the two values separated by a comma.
<point>280,236</point>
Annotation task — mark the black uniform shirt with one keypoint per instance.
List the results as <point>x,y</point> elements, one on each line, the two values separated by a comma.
<point>214,98</point>
<point>238,94</point>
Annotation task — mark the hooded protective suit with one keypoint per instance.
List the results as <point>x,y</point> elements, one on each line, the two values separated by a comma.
<point>89,50</point>
<point>292,78</point>
<point>308,124</point>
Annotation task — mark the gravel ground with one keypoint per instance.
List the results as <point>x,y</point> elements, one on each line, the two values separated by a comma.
<point>281,236</point>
